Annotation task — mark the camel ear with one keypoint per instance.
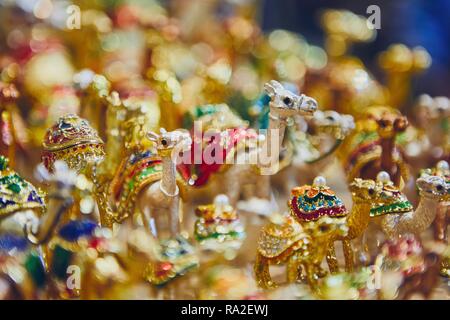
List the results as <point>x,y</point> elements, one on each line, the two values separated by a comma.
<point>421,183</point>
<point>152,136</point>
<point>271,87</point>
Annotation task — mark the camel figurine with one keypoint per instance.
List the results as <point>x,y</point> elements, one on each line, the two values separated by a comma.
<point>309,144</point>
<point>218,224</point>
<point>296,245</point>
<point>397,216</point>
<point>308,200</point>
<point>24,210</point>
<point>441,221</point>
<point>218,231</point>
<point>372,147</point>
<point>161,200</point>
<point>148,180</point>
<point>283,106</point>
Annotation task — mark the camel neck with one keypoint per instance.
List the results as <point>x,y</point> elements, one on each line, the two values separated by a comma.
<point>273,140</point>
<point>168,181</point>
<point>387,153</point>
<point>420,219</point>
<point>359,218</point>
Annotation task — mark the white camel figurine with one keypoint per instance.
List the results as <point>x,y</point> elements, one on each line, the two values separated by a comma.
<point>160,201</point>
<point>432,189</point>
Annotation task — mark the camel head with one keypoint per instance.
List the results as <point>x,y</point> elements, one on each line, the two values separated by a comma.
<point>433,186</point>
<point>365,190</point>
<point>168,141</point>
<point>334,123</point>
<point>442,169</point>
<point>389,125</point>
<point>391,199</point>
<point>285,104</point>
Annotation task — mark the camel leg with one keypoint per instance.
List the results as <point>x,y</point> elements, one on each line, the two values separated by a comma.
<point>363,257</point>
<point>262,272</point>
<point>331,259</point>
<point>232,184</point>
<point>348,255</point>
<point>440,224</point>
<point>311,276</point>
<point>148,220</point>
<point>292,269</point>
<point>174,217</point>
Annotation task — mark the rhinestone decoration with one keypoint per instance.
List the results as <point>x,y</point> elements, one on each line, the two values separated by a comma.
<point>73,140</point>
<point>309,203</point>
<point>17,194</point>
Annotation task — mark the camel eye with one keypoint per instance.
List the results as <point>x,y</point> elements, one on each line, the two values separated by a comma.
<point>439,187</point>
<point>164,142</point>
<point>287,101</point>
<point>371,191</point>
<point>323,228</point>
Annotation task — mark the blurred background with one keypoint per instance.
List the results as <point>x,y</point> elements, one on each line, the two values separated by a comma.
<point>411,22</point>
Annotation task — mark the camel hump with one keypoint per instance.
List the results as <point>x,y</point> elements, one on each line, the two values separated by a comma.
<point>276,238</point>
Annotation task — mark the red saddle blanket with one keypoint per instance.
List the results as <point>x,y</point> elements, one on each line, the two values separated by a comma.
<point>209,153</point>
